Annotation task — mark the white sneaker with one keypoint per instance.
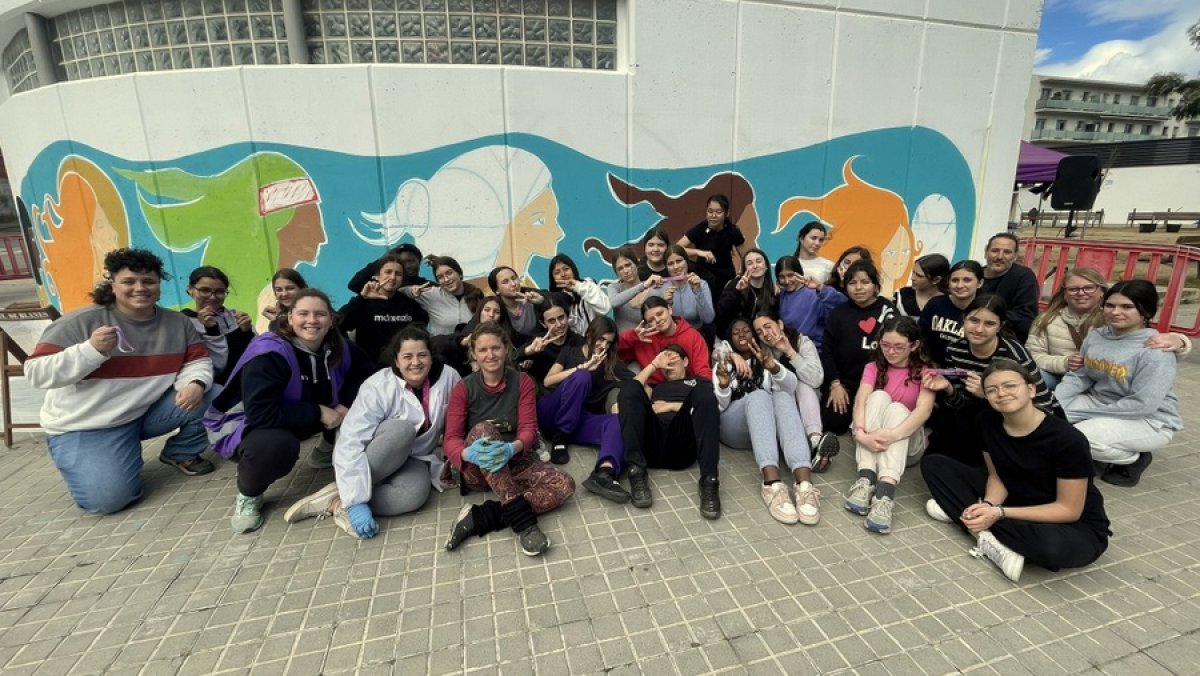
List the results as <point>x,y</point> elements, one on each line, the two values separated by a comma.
<point>808,503</point>
<point>1009,562</point>
<point>779,503</point>
<point>935,511</point>
<point>858,500</point>
<point>309,506</point>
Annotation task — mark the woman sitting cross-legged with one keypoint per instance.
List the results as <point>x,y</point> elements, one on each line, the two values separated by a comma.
<point>890,410</point>
<point>1122,396</point>
<point>117,372</point>
<point>580,406</point>
<point>1038,502</point>
<point>289,385</point>
<point>759,411</point>
<point>385,459</point>
<point>491,432</point>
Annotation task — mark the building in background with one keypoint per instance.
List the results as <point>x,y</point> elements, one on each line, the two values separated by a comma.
<point>1063,110</point>
<point>315,134</point>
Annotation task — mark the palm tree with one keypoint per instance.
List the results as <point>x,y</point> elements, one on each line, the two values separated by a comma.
<point>1164,84</point>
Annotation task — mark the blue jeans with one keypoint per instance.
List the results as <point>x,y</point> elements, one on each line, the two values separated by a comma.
<point>102,468</point>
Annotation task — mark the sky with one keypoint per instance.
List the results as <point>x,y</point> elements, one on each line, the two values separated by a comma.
<point>1117,40</point>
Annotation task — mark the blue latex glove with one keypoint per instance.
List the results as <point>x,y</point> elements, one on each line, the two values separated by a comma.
<point>476,452</point>
<point>502,452</point>
<point>362,521</point>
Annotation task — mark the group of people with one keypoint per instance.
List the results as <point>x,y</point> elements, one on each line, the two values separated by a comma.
<point>695,344</point>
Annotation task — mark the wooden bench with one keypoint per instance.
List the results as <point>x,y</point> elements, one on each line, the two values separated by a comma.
<point>11,350</point>
<point>1173,220</point>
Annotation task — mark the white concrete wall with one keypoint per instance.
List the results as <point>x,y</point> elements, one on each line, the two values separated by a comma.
<point>719,86</point>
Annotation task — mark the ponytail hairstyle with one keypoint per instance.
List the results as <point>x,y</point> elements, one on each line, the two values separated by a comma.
<point>918,360</point>
<point>936,265</point>
<point>134,260</point>
<point>333,339</point>
<point>808,227</point>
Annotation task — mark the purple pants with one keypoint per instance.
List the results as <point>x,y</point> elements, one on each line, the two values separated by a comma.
<point>561,414</point>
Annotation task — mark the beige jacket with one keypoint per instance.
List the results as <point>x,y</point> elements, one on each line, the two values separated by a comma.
<point>1051,348</point>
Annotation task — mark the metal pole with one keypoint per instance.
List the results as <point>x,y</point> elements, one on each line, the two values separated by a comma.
<point>39,44</point>
<point>293,23</point>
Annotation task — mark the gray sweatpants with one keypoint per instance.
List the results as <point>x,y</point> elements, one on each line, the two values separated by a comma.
<point>764,421</point>
<point>399,483</point>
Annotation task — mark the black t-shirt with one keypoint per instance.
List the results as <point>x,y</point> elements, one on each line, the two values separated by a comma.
<point>673,392</point>
<point>1031,466</point>
<point>720,243</point>
<point>572,355</point>
<point>541,362</point>
<point>375,320</point>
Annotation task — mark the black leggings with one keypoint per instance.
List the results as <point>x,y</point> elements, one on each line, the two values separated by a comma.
<point>1050,545</point>
<point>831,420</point>
<point>267,455</point>
<point>694,433</point>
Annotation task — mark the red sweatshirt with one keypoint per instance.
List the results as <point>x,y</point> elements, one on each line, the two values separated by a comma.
<point>454,442</point>
<point>630,348</point>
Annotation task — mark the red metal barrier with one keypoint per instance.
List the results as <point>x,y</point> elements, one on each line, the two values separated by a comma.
<point>1054,257</point>
<point>14,260</point>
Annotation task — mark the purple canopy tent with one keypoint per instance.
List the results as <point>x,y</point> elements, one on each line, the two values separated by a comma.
<point>1037,164</point>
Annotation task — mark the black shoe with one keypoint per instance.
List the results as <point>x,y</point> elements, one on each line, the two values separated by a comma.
<point>191,467</point>
<point>462,528</point>
<point>559,454</point>
<point>533,541</point>
<point>710,497</point>
<point>1128,476</point>
<point>827,447</point>
<point>639,487</point>
<point>602,483</point>
<point>1100,468</point>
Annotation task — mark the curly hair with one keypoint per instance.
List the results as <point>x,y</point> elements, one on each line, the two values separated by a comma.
<point>134,260</point>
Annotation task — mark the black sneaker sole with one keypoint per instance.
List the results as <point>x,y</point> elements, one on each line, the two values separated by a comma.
<point>617,494</point>
<point>560,457</point>
<point>205,466</point>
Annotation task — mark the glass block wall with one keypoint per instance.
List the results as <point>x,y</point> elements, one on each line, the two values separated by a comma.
<point>147,35</point>
<point>17,60</point>
<point>546,33</point>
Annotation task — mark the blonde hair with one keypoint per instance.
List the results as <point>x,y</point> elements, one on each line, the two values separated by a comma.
<point>1058,302</point>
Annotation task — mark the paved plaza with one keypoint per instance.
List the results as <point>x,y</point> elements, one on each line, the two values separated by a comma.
<point>166,588</point>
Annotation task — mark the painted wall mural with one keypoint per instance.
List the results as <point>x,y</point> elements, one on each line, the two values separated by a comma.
<point>515,199</point>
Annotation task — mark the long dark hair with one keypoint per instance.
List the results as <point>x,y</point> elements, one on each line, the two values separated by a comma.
<point>333,339</point>
<point>505,320</point>
<point>835,275</point>
<point>792,335</point>
<point>763,299</point>
<point>595,331</point>
<point>564,259</point>
<point>1141,293</point>
<point>936,265</point>
<point>134,260</point>
<point>808,227</point>
<point>918,360</point>
<point>994,304</point>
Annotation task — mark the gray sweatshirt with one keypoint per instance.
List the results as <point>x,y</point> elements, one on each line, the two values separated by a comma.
<point>1124,378</point>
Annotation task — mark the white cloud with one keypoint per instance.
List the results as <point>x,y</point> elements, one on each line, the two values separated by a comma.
<point>1040,56</point>
<point>1134,60</point>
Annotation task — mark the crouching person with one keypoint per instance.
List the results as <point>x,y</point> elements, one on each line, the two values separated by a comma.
<point>117,372</point>
<point>491,431</point>
<point>384,460</point>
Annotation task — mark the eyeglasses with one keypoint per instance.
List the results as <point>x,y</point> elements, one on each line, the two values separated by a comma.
<point>1009,387</point>
<point>1081,290</point>
<point>208,293</point>
<point>894,347</point>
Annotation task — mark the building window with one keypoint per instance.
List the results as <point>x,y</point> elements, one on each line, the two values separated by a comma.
<point>1045,92</point>
<point>1116,99</point>
<point>18,63</point>
<point>1166,131</point>
<point>1146,129</point>
<point>1087,96</point>
<point>1134,100</point>
<point>1129,129</point>
<point>1078,125</point>
<point>1060,125</point>
<point>554,34</point>
<point>1066,94</point>
<point>1151,101</point>
<point>1193,132</point>
<point>147,35</point>
<point>1039,123</point>
<point>1110,127</point>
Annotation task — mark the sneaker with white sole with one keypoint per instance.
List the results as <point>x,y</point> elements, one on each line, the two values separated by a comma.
<point>318,504</point>
<point>858,500</point>
<point>321,456</point>
<point>935,511</point>
<point>808,503</point>
<point>1009,562</point>
<point>879,519</point>
<point>779,503</point>
<point>533,541</point>
<point>247,514</point>
<point>341,518</point>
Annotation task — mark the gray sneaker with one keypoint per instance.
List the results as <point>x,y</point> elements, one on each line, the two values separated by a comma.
<point>247,516</point>
<point>321,456</point>
<point>858,500</point>
<point>879,519</point>
<point>533,541</point>
<point>1009,562</point>
<point>309,506</point>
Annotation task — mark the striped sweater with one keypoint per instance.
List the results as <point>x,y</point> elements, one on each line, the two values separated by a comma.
<point>90,390</point>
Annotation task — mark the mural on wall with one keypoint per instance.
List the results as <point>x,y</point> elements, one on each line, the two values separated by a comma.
<point>81,217</point>
<point>260,214</point>
<point>490,206</point>
<point>860,214</point>
<point>679,212</point>
<point>515,199</point>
